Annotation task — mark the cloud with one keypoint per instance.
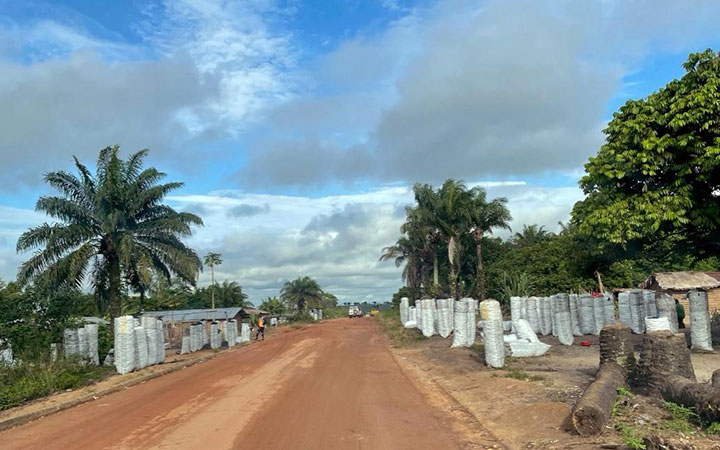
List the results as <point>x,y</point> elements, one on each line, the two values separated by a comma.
<point>246,210</point>
<point>464,89</point>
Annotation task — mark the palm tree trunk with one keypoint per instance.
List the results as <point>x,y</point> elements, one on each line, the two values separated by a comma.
<point>436,278</point>
<point>115,291</point>
<point>477,234</point>
<point>212,291</point>
<point>452,257</point>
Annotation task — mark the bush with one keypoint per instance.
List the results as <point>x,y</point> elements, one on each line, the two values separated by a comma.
<point>390,323</point>
<point>25,381</point>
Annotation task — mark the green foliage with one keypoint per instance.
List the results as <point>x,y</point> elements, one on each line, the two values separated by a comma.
<point>713,428</point>
<point>631,437</point>
<point>510,285</point>
<point>682,419</point>
<point>25,381</point>
<point>111,227</point>
<point>658,174</point>
<point>302,292</point>
<point>273,305</point>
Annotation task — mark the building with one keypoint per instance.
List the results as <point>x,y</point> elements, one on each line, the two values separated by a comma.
<point>176,320</point>
<point>678,284</point>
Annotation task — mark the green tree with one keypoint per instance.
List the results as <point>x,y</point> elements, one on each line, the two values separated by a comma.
<point>112,224</point>
<point>658,173</point>
<point>230,294</point>
<point>484,217</point>
<point>273,305</point>
<point>301,291</point>
<point>530,235</point>
<point>212,260</point>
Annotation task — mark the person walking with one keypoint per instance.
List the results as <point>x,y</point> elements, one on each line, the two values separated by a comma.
<point>680,314</point>
<point>260,328</point>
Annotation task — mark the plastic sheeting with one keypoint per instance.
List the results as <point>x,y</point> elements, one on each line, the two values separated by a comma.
<point>657,324</point>
<point>574,315</point>
<point>650,304</point>
<point>699,321</point>
<point>92,343</point>
<point>404,307</point>
<point>532,314</point>
<point>609,304</point>
<point>624,309</point>
<point>494,343</point>
<point>637,312</point>
<point>562,319</point>
<point>586,313</point>
<point>546,318</point>
<point>124,332</point>
<point>666,308</point>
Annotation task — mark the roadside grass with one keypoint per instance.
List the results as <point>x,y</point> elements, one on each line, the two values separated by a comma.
<point>519,375</point>
<point>389,321</point>
<point>25,381</point>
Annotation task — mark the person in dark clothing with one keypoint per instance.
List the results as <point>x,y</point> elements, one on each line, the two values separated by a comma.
<point>680,314</point>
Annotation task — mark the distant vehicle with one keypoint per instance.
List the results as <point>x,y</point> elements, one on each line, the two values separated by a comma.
<point>354,311</point>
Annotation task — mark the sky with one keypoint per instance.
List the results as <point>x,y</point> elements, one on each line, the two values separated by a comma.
<point>299,126</point>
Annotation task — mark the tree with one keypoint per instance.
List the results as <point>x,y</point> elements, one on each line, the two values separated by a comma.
<point>658,173</point>
<point>112,224</point>
<point>273,305</point>
<point>484,217</point>
<point>230,294</point>
<point>531,234</point>
<point>298,292</point>
<point>212,260</point>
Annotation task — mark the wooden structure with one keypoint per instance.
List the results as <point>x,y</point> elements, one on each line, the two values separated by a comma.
<point>678,284</point>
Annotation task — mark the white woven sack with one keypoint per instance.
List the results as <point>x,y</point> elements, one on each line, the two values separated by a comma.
<point>574,315</point>
<point>532,312</point>
<point>82,343</point>
<point>649,302</point>
<point>525,349</point>
<point>489,309</point>
<point>546,319</point>
<point>460,324</point>
<point>493,343</point>
<point>404,306</point>
<point>92,343</point>
<point>141,348</point>
<point>609,310</point>
<point>586,313</point>
<point>71,346</point>
<point>637,312</point>
<point>470,323</point>
<point>516,308</point>
<point>562,319</point>
<point>599,313</point>
<point>525,331</point>
<point>444,319</point>
<point>553,314</point>
<point>185,347</point>
<point>700,337</point>
<point>214,336</point>
<point>657,324</point>
<point>624,309</point>
<point>666,308</point>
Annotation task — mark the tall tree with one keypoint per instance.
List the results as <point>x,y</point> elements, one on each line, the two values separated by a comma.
<point>658,174</point>
<point>112,224</point>
<point>530,234</point>
<point>273,305</point>
<point>484,217</point>
<point>298,292</point>
<point>212,260</point>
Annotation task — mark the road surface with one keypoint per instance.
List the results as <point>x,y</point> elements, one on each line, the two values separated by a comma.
<point>333,385</point>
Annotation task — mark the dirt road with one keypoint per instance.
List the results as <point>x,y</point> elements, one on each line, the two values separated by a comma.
<point>329,386</point>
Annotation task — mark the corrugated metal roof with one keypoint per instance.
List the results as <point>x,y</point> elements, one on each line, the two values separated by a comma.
<point>684,281</point>
<point>191,315</point>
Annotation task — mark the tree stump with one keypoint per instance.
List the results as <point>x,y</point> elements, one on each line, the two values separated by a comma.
<point>663,354</point>
<point>593,409</point>
<point>616,346</point>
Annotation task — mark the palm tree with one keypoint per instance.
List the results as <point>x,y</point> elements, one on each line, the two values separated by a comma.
<point>298,292</point>
<point>447,211</point>
<point>113,224</point>
<point>230,293</point>
<point>531,234</point>
<point>212,260</point>
<point>403,252</point>
<point>484,216</point>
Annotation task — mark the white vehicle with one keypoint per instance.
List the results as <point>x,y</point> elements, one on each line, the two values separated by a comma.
<point>354,311</point>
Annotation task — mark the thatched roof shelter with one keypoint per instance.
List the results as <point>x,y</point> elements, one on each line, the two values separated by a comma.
<point>682,281</point>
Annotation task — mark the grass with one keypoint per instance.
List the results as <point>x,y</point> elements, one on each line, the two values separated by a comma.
<point>682,419</point>
<point>26,381</point>
<point>519,375</point>
<point>631,437</point>
<point>714,428</point>
<point>390,323</point>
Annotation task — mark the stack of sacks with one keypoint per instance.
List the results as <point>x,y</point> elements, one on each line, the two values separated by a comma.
<point>562,319</point>
<point>624,309</point>
<point>527,343</point>
<point>574,315</point>
<point>412,318</point>
<point>124,331</point>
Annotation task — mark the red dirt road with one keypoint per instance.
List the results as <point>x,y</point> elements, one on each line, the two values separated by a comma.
<point>329,386</point>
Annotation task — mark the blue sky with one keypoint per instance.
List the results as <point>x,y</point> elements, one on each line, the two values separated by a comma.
<point>299,125</point>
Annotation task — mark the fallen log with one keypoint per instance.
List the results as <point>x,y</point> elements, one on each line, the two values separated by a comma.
<point>703,397</point>
<point>594,408</point>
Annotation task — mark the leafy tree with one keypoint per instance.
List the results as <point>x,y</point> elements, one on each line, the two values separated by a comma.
<point>658,174</point>
<point>531,234</point>
<point>111,224</point>
<point>212,260</point>
<point>484,217</point>
<point>301,291</point>
<point>273,305</point>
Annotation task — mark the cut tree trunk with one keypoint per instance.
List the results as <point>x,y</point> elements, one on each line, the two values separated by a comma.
<point>704,397</point>
<point>664,354</point>
<point>616,346</point>
<point>594,408</point>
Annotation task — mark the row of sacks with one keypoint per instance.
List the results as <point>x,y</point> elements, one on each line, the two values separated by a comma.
<point>82,342</point>
<point>138,343</point>
<point>196,337</point>
<point>443,317</point>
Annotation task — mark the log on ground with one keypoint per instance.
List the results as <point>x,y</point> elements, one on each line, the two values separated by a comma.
<point>703,397</point>
<point>593,409</point>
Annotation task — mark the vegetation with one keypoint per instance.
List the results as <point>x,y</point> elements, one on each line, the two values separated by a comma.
<point>398,334</point>
<point>212,260</point>
<point>305,292</point>
<point>111,227</point>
